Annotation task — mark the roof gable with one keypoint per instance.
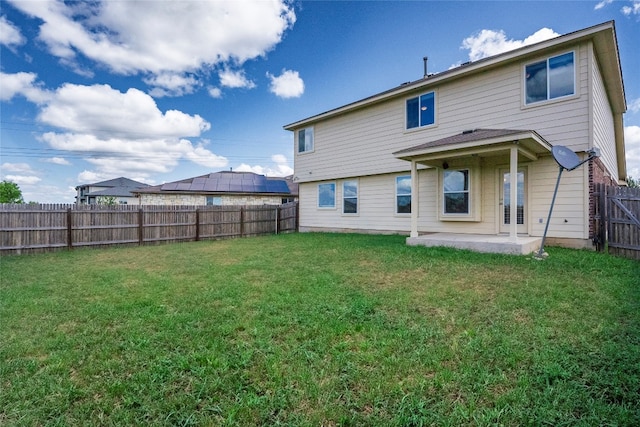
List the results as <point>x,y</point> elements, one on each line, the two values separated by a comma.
<point>602,35</point>
<point>119,182</point>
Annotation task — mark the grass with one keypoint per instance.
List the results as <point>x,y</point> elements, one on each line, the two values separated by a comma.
<point>318,329</point>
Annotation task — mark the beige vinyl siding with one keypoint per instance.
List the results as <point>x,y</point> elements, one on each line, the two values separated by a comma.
<point>361,142</point>
<point>376,207</point>
<point>603,124</point>
<point>569,203</point>
<point>376,203</point>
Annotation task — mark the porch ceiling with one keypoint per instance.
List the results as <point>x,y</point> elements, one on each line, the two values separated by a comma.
<point>477,142</point>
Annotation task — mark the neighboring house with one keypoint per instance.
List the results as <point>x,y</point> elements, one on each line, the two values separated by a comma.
<point>221,188</point>
<point>442,154</point>
<point>119,189</point>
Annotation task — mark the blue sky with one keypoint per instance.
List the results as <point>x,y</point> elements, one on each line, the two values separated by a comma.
<point>158,91</point>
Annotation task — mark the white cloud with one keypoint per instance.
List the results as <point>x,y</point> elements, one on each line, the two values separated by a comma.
<point>156,37</point>
<point>103,111</point>
<point>280,169</point>
<point>22,179</point>
<point>602,4</point>
<point>215,92</point>
<point>279,158</point>
<point>22,168</point>
<point>489,42</point>
<point>171,84</point>
<point>120,133</point>
<point>634,9</point>
<point>286,85</point>
<point>632,149</point>
<point>58,161</point>
<point>21,84</point>
<point>235,79</point>
<point>634,106</point>
<point>10,34</point>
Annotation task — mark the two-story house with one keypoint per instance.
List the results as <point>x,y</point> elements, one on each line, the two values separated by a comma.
<point>468,151</point>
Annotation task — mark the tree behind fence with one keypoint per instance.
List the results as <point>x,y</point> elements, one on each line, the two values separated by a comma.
<point>41,228</point>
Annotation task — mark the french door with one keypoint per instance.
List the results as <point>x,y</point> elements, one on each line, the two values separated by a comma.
<point>505,201</point>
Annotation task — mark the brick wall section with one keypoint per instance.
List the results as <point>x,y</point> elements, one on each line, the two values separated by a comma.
<point>201,200</point>
<point>597,175</point>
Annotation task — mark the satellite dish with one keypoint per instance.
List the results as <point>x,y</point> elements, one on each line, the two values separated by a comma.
<point>565,157</point>
<point>568,160</point>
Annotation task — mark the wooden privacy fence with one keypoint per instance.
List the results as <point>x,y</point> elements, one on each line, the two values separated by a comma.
<point>617,220</point>
<point>41,228</point>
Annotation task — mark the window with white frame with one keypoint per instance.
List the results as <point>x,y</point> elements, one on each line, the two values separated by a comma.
<point>455,190</point>
<point>350,197</point>
<point>421,110</point>
<point>550,79</point>
<point>305,140</point>
<point>403,194</point>
<point>327,195</point>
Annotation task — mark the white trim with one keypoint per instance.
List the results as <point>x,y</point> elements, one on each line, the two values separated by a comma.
<point>357,212</point>
<point>334,195</point>
<point>545,59</point>
<point>395,183</point>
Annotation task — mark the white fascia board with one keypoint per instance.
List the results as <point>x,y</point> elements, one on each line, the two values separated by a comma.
<point>462,71</point>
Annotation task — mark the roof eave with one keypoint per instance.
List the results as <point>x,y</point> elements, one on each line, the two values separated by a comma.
<point>490,62</point>
<point>410,154</point>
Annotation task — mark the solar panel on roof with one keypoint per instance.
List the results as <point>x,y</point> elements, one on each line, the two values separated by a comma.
<point>277,187</point>
<point>235,187</point>
<point>169,186</point>
<point>210,186</point>
<point>183,186</point>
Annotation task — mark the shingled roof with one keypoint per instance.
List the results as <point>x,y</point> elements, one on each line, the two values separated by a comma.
<point>460,138</point>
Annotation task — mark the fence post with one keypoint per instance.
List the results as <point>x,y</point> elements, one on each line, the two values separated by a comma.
<point>277,218</point>
<point>140,228</point>
<point>297,220</point>
<point>197,224</point>
<point>602,225</point>
<point>69,231</point>
<point>242,221</point>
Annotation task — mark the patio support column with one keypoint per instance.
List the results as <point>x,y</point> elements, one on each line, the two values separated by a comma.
<point>513,193</point>
<point>415,199</point>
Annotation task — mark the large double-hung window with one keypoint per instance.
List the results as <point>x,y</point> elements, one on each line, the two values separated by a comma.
<point>421,110</point>
<point>455,190</point>
<point>350,197</point>
<point>550,79</point>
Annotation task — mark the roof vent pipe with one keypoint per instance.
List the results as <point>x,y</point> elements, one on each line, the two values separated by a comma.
<point>424,60</point>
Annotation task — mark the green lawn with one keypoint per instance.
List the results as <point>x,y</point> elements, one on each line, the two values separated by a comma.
<point>318,329</point>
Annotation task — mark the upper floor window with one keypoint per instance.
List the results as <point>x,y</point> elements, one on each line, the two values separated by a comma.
<point>456,191</point>
<point>421,110</point>
<point>403,194</point>
<point>350,197</point>
<point>327,195</point>
<point>550,79</point>
<point>305,140</point>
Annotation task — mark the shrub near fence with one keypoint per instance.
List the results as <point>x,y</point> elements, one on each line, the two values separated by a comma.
<point>41,228</point>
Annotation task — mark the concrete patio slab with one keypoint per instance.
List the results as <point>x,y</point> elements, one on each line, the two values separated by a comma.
<point>500,244</point>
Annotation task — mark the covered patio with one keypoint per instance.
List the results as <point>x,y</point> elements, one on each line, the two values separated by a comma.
<point>511,144</point>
